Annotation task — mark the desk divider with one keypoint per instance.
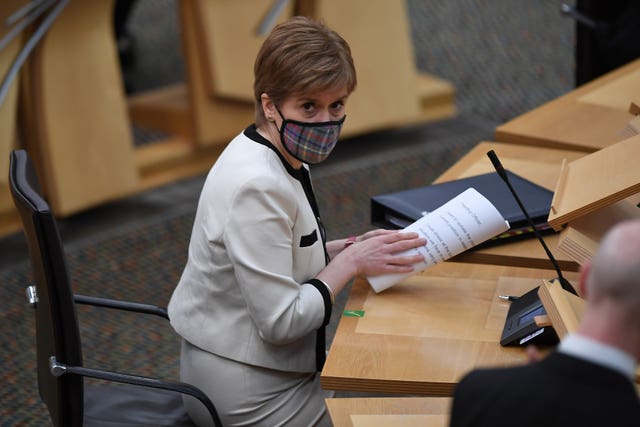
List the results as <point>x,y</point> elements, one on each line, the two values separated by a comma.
<point>596,181</point>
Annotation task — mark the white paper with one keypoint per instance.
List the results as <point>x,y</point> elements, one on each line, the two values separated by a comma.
<point>460,224</point>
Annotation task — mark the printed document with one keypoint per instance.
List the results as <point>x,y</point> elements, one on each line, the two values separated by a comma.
<point>460,224</point>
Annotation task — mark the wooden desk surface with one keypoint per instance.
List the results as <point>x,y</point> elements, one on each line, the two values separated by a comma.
<point>538,164</point>
<point>389,411</point>
<point>422,335</point>
<point>587,118</point>
<point>9,133</point>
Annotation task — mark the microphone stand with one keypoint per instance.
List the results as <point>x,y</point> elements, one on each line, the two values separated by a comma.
<point>566,285</point>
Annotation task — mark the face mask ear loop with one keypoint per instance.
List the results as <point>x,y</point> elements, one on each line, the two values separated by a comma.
<point>281,130</point>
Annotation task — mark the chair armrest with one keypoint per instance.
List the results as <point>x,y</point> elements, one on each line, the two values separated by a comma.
<point>58,369</point>
<point>122,305</point>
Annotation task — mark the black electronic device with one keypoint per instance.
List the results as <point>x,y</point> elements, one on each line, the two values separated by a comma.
<point>400,209</point>
<point>520,327</point>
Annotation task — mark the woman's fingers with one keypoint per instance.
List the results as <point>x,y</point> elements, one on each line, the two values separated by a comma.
<point>384,253</point>
<point>401,241</point>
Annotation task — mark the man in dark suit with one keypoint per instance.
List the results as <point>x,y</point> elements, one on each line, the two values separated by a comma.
<point>589,379</point>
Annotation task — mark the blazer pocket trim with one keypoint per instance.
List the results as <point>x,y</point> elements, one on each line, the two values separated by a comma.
<point>309,239</point>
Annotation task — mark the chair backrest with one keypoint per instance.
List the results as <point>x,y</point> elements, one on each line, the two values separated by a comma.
<point>57,331</point>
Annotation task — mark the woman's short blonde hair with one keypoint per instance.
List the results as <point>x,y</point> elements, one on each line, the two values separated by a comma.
<point>301,56</point>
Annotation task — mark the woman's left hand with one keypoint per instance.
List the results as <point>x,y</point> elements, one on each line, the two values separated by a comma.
<point>373,233</point>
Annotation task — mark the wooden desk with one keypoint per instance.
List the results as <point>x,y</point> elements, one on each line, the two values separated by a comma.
<point>540,165</point>
<point>390,411</point>
<point>587,118</point>
<point>8,115</point>
<point>422,335</point>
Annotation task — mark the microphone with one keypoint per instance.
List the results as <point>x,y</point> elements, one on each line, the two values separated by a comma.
<point>566,285</point>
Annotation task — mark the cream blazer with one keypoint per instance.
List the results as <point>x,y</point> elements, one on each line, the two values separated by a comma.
<point>255,242</point>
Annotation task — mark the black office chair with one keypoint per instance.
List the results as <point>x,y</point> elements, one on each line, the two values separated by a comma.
<point>135,400</point>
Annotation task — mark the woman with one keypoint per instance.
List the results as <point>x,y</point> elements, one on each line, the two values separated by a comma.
<point>259,283</point>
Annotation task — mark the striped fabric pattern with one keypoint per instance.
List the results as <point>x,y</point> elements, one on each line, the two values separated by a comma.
<point>310,142</point>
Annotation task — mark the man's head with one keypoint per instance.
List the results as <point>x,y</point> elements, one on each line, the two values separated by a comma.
<point>615,268</point>
<point>611,286</point>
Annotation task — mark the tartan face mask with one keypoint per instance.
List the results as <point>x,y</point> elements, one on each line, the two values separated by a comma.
<point>310,142</point>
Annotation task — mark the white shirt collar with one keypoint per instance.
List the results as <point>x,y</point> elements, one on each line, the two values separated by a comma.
<point>599,353</point>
